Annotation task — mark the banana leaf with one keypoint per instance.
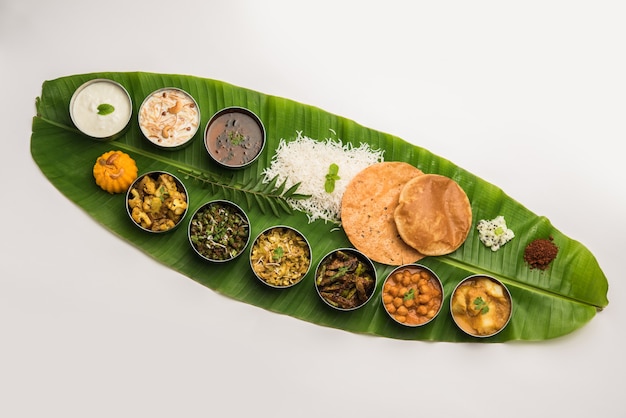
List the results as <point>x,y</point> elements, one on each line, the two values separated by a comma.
<point>546,303</point>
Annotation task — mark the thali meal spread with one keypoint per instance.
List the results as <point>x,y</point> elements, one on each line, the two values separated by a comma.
<point>169,118</point>
<point>391,212</point>
<point>101,108</point>
<point>433,215</point>
<point>367,212</point>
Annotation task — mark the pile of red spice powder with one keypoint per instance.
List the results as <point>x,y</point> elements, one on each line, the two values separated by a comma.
<point>540,253</point>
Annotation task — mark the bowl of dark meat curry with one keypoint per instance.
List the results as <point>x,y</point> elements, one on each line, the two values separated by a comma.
<point>345,279</point>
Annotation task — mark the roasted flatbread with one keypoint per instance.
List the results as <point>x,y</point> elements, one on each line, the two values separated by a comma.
<point>367,212</point>
<point>433,215</point>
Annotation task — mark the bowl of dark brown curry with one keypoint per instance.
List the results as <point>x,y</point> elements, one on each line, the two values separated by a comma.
<point>234,137</point>
<point>345,279</point>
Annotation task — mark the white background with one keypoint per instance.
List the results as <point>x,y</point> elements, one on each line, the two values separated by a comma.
<point>530,97</point>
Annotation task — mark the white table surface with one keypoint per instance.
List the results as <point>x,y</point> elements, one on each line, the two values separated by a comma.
<point>530,97</point>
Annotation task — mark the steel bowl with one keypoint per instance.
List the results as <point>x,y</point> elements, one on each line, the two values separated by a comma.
<point>336,279</point>
<point>157,202</point>
<point>219,231</point>
<point>412,295</point>
<point>234,137</point>
<point>280,256</point>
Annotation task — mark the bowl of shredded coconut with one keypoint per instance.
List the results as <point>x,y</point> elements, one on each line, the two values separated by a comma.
<point>323,168</point>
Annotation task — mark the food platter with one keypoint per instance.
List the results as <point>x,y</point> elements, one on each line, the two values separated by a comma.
<point>548,303</point>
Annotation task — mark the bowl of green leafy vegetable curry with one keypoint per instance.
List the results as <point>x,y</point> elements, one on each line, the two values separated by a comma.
<point>219,231</point>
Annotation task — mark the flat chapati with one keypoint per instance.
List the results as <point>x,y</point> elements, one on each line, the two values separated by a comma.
<point>367,212</point>
<point>434,215</point>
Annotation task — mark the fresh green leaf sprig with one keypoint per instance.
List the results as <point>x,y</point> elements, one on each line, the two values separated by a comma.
<point>481,305</point>
<point>278,254</point>
<point>105,109</point>
<point>409,295</point>
<point>268,197</point>
<point>163,194</point>
<point>235,137</point>
<point>331,177</point>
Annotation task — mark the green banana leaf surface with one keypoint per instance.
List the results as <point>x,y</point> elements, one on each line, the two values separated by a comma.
<point>546,303</point>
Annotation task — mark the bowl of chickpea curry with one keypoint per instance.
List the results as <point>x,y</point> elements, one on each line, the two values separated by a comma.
<point>157,202</point>
<point>412,295</point>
